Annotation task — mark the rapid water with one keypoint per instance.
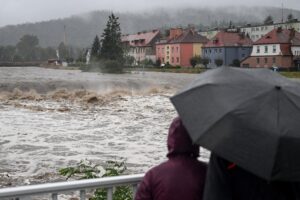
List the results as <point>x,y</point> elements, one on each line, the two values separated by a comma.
<point>51,119</point>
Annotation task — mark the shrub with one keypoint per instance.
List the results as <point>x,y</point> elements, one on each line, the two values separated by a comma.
<point>219,62</point>
<point>111,66</point>
<point>88,170</point>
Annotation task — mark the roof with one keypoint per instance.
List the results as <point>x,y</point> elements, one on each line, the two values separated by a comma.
<point>279,36</point>
<point>229,39</point>
<point>140,38</point>
<point>189,36</point>
<point>295,41</point>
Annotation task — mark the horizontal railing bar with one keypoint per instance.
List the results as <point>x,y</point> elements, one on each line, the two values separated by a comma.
<point>105,182</point>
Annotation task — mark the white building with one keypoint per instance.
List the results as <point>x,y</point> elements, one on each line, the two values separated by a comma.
<point>256,32</point>
<point>141,46</point>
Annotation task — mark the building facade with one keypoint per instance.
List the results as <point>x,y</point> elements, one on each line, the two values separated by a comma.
<point>180,47</point>
<point>256,32</point>
<point>141,46</point>
<point>229,47</point>
<point>275,49</point>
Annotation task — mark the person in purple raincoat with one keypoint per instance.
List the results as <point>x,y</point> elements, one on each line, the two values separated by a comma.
<point>182,176</point>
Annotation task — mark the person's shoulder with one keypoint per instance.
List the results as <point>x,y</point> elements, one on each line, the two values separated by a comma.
<point>157,168</point>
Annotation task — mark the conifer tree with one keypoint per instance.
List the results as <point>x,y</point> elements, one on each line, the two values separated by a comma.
<point>95,48</point>
<point>111,48</point>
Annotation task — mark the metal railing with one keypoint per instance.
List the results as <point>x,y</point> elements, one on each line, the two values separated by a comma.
<point>81,185</point>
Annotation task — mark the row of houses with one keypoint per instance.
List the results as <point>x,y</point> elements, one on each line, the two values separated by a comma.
<point>280,47</point>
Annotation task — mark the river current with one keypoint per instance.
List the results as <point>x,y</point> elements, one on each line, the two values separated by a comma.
<point>52,118</point>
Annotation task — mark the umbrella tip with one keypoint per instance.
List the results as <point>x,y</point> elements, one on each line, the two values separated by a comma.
<point>278,87</point>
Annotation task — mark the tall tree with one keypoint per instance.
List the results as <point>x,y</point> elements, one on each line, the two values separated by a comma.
<point>95,48</point>
<point>290,17</point>
<point>111,48</point>
<point>268,20</point>
<point>27,47</point>
<point>63,51</point>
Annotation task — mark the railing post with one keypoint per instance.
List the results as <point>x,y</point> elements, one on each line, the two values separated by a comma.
<point>109,193</point>
<point>134,190</point>
<point>54,196</point>
<point>82,195</point>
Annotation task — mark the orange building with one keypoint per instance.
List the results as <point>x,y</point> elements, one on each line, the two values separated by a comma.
<point>180,47</point>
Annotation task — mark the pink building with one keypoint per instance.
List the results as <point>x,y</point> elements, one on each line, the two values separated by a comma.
<point>180,47</point>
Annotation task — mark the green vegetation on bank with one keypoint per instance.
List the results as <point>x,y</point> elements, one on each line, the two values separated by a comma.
<point>291,74</point>
<point>88,170</point>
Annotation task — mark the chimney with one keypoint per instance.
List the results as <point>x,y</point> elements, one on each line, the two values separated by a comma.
<point>175,32</point>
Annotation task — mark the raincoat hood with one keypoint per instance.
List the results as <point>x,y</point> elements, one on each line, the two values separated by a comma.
<point>179,142</point>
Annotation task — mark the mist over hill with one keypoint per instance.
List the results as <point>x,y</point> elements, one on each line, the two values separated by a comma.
<point>81,29</point>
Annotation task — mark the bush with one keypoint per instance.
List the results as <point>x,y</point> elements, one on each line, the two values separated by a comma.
<point>112,66</point>
<point>87,170</point>
<point>195,60</point>
<point>205,61</point>
<point>158,63</point>
<point>236,63</point>
<point>219,62</point>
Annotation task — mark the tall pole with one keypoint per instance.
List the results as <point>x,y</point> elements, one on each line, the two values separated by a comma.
<point>65,36</point>
<point>281,12</point>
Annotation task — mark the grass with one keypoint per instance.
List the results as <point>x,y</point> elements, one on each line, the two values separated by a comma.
<point>291,74</point>
<point>189,70</point>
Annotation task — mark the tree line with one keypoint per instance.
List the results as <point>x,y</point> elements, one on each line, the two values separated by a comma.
<point>29,50</point>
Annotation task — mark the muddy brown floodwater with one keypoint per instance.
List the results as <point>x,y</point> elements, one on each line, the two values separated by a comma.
<point>51,119</point>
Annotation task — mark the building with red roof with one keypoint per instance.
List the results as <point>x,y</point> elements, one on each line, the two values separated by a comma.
<point>180,46</point>
<point>141,46</point>
<point>228,47</point>
<point>274,49</point>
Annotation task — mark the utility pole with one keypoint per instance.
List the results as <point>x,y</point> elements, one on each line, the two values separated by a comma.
<point>281,12</point>
<point>65,36</point>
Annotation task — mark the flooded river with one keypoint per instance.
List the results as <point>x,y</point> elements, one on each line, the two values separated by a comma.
<point>51,119</point>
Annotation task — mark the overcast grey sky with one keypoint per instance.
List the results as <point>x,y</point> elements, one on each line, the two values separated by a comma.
<point>21,11</point>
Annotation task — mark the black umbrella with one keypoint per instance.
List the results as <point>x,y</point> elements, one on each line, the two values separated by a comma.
<point>248,116</point>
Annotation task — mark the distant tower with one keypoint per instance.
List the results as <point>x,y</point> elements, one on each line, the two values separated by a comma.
<point>65,36</point>
<point>281,12</point>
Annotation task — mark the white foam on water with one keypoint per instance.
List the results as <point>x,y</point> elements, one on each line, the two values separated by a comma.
<point>43,132</point>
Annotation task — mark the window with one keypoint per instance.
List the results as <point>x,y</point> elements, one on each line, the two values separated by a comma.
<point>172,59</point>
<point>220,50</point>
<point>257,60</point>
<point>274,60</point>
<point>172,49</point>
<point>266,49</point>
<point>258,49</point>
<point>266,60</point>
<point>216,50</point>
<point>177,59</point>
<point>209,50</point>
<point>205,51</point>
<point>274,48</point>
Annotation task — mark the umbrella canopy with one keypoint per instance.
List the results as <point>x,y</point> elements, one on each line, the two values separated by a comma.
<point>248,116</point>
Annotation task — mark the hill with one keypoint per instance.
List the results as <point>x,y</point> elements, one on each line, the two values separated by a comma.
<point>81,29</point>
